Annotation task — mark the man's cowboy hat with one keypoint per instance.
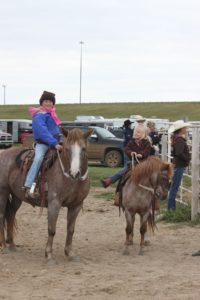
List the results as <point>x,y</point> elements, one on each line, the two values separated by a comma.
<point>139,118</point>
<point>127,123</point>
<point>178,125</point>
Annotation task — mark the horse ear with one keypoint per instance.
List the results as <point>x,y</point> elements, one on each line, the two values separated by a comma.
<point>64,132</point>
<point>88,133</point>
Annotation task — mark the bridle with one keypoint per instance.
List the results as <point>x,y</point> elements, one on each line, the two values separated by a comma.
<point>66,174</point>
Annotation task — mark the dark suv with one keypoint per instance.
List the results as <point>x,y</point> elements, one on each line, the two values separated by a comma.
<point>102,146</point>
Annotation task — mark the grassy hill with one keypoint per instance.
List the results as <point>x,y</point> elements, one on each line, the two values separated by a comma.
<point>68,112</point>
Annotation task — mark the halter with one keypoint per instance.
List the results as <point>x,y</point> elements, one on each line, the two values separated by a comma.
<point>66,174</point>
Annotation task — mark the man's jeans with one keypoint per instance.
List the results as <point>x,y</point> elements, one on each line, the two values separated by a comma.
<point>40,151</point>
<point>176,181</point>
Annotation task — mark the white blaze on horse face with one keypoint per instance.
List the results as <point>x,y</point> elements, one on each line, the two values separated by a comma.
<point>75,162</point>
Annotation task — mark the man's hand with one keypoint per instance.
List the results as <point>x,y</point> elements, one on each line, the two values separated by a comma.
<point>58,147</point>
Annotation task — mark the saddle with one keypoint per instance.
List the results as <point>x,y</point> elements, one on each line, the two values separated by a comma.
<point>24,161</point>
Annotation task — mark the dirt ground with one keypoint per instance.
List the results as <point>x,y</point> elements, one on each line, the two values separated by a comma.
<point>165,271</point>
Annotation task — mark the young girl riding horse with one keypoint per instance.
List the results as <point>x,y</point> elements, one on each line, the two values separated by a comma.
<point>138,148</point>
<point>46,135</point>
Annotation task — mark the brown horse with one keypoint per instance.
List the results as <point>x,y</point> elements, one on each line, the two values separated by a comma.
<point>141,193</point>
<point>68,185</point>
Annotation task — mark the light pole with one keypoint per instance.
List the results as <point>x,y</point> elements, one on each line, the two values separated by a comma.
<point>81,43</point>
<point>4,93</point>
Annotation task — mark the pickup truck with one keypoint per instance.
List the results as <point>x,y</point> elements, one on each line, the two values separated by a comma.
<point>102,146</point>
<point>6,140</point>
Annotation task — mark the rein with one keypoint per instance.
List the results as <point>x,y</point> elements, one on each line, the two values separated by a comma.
<point>66,174</point>
<point>146,188</point>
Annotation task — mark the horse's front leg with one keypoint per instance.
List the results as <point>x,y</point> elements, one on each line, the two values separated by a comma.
<point>143,230</point>
<point>71,219</point>
<point>53,211</point>
<point>130,219</point>
<point>3,218</point>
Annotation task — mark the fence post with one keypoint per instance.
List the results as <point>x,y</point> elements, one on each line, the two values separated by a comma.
<point>164,147</point>
<point>195,172</point>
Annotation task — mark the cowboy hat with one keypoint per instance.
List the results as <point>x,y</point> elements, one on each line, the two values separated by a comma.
<point>127,123</point>
<point>178,125</point>
<point>139,118</point>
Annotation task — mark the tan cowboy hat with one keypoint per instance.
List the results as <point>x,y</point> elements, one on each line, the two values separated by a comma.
<point>139,118</point>
<point>178,125</point>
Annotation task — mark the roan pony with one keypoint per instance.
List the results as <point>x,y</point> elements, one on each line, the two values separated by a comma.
<point>68,186</point>
<point>144,187</point>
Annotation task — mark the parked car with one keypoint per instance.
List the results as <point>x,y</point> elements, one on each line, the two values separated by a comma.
<point>6,139</point>
<point>102,146</point>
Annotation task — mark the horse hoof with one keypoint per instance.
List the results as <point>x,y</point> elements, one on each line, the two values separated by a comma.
<point>12,249</point>
<point>52,262</point>
<point>147,243</point>
<point>141,252</point>
<point>5,251</point>
<point>128,243</point>
<point>125,252</point>
<point>74,258</point>
<point>196,253</point>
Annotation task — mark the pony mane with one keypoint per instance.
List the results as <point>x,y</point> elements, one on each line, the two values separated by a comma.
<point>149,166</point>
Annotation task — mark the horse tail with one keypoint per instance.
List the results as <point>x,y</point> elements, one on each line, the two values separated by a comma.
<point>10,220</point>
<point>151,220</point>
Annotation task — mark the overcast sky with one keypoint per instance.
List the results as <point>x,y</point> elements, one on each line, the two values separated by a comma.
<point>146,50</point>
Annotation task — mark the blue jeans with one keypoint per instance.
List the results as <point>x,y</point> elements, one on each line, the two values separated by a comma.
<point>176,181</point>
<point>119,174</point>
<point>40,151</point>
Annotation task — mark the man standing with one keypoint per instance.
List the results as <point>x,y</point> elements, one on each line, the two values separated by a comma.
<point>181,158</point>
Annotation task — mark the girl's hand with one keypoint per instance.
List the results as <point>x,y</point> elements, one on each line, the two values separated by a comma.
<point>139,155</point>
<point>58,147</point>
<point>133,154</point>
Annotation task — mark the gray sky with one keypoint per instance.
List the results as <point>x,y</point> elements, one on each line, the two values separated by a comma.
<point>147,50</point>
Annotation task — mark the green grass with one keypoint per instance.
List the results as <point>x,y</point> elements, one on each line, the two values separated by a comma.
<point>106,195</point>
<point>171,111</point>
<point>182,214</point>
<point>99,172</point>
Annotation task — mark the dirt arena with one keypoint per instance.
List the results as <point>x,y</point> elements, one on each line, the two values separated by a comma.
<point>166,270</point>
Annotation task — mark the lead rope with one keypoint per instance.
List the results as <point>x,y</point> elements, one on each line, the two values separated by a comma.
<point>66,174</point>
<point>134,157</point>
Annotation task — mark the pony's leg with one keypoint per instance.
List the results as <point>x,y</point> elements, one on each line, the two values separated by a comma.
<point>143,230</point>
<point>53,211</point>
<point>71,220</point>
<point>130,219</point>
<point>13,205</point>
<point>3,203</point>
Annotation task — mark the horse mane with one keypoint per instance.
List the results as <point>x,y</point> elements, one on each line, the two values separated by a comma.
<point>149,166</point>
